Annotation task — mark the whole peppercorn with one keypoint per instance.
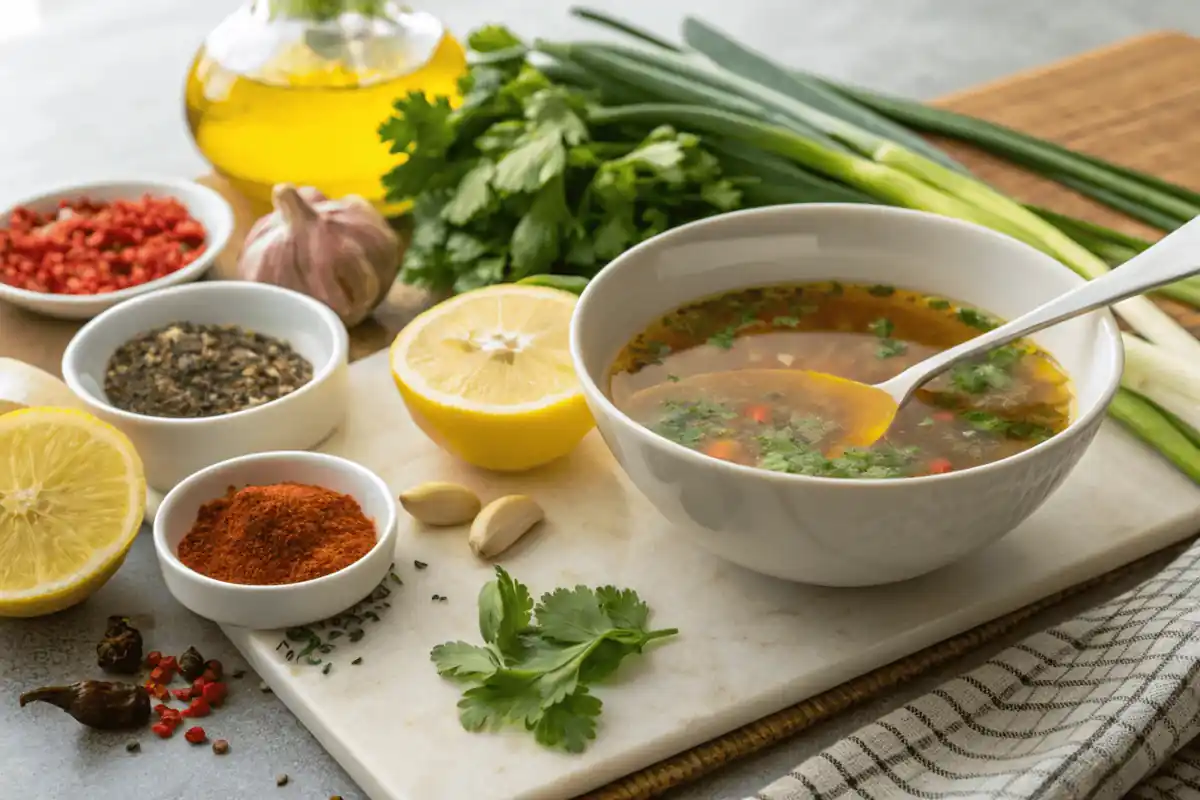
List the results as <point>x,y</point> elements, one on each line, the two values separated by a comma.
<point>220,747</point>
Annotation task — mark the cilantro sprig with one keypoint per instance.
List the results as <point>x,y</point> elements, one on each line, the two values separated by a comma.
<point>537,663</point>
<point>514,182</point>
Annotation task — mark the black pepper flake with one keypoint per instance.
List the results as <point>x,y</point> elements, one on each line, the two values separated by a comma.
<point>396,579</point>
<point>132,746</point>
<point>420,564</point>
<point>356,634</point>
<point>186,370</point>
<point>326,669</point>
<point>357,661</point>
<point>290,655</point>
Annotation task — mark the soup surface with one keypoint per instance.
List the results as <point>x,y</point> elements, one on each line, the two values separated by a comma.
<point>723,376</point>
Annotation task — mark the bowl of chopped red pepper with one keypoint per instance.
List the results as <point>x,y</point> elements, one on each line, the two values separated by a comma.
<point>76,251</point>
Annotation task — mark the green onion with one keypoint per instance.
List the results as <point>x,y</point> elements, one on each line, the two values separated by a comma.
<point>743,61</point>
<point>1088,175</point>
<point>1143,419</point>
<point>621,26</point>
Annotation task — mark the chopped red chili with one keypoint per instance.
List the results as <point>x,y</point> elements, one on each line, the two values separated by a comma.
<point>163,730</point>
<point>196,735</point>
<point>215,693</point>
<point>92,247</point>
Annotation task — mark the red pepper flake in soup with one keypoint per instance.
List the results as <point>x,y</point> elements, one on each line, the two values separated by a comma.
<point>88,247</point>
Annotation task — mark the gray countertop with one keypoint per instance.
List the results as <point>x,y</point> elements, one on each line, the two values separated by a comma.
<point>91,89</point>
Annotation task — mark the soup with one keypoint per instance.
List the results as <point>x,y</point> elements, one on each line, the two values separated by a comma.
<point>723,376</point>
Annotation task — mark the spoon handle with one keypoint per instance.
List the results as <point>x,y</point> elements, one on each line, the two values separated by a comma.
<point>1173,258</point>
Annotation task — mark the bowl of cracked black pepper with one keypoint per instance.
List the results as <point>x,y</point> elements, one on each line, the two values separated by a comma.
<point>198,374</point>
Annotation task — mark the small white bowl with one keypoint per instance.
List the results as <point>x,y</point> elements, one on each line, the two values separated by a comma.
<point>204,204</point>
<point>283,605</point>
<point>829,531</point>
<point>174,448</point>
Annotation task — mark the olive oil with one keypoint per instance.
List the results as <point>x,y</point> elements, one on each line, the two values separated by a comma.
<point>308,112</point>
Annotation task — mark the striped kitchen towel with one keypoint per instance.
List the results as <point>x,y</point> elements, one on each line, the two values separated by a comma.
<point>1103,706</point>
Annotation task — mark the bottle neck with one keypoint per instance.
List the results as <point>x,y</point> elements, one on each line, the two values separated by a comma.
<point>319,10</point>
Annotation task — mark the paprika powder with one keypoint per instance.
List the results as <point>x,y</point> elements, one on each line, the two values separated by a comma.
<point>276,534</point>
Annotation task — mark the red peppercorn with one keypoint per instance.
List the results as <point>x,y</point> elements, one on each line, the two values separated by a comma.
<point>214,666</point>
<point>159,675</point>
<point>198,686</point>
<point>182,694</point>
<point>169,665</point>
<point>152,658</point>
<point>160,708</point>
<point>198,708</point>
<point>215,693</point>
<point>163,730</point>
<point>196,735</point>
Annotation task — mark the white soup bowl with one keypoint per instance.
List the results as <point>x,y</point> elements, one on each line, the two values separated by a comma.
<point>839,532</point>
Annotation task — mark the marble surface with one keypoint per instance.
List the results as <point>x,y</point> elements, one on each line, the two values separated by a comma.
<point>748,645</point>
<point>90,88</point>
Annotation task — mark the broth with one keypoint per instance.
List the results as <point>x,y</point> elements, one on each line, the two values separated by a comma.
<point>721,376</point>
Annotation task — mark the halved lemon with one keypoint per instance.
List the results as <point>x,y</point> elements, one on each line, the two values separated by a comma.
<point>72,495</point>
<point>488,376</point>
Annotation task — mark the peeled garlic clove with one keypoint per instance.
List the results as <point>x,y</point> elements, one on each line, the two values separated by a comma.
<point>441,503</point>
<point>341,252</point>
<point>501,523</point>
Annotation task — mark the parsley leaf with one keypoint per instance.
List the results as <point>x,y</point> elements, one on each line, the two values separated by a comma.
<point>491,38</point>
<point>891,347</point>
<point>534,672</point>
<point>505,610</point>
<point>976,319</point>
<point>466,661</point>
<point>881,327</point>
<point>570,723</point>
<point>724,338</point>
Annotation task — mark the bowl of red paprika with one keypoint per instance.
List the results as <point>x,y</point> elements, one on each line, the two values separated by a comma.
<point>75,251</point>
<point>276,540</point>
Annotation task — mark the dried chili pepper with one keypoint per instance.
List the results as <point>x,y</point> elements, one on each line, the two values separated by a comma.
<point>191,664</point>
<point>121,648</point>
<point>97,704</point>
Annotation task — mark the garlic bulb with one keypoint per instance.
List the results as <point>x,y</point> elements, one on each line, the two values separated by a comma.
<point>341,252</point>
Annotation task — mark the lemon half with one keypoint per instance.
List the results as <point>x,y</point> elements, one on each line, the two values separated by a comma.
<point>488,376</point>
<point>72,496</point>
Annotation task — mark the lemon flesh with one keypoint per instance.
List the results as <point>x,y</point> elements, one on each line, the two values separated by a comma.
<point>488,376</point>
<point>72,496</point>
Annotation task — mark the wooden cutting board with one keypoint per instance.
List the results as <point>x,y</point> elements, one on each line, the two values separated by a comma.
<point>749,645</point>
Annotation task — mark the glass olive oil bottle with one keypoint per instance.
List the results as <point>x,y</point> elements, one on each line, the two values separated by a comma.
<point>295,90</point>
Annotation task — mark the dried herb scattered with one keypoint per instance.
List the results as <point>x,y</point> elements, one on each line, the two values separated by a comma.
<point>97,704</point>
<point>313,644</point>
<point>534,670</point>
<point>357,661</point>
<point>420,564</point>
<point>189,370</point>
<point>121,648</point>
<point>191,664</point>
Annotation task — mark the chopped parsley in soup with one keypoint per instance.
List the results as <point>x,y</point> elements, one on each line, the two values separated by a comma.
<point>723,376</point>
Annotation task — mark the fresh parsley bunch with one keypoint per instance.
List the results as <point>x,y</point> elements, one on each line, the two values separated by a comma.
<point>514,183</point>
<point>537,662</point>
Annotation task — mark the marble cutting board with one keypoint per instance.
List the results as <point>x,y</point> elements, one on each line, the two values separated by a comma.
<point>748,645</point>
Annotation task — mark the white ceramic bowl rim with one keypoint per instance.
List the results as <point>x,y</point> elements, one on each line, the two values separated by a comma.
<point>1107,325</point>
<point>215,241</point>
<point>337,462</point>
<point>325,313</point>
